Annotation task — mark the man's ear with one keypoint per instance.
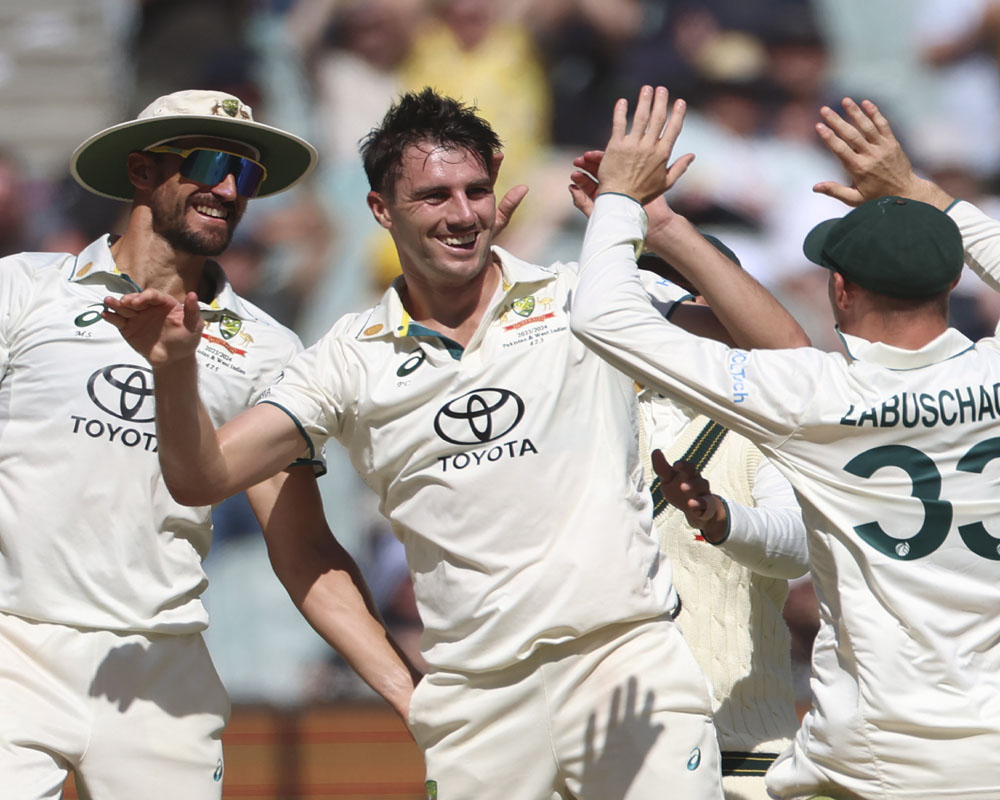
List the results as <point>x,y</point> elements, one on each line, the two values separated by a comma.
<point>379,209</point>
<point>142,172</point>
<point>842,292</point>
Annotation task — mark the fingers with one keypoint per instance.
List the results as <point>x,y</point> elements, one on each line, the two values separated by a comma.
<point>584,182</point>
<point>619,119</point>
<point>589,160</point>
<point>845,194</point>
<point>860,119</point>
<point>508,205</point>
<point>678,168</point>
<point>192,313</point>
<point>641,119</point>
<point>878,120</point>
<point>675,123</point>
<point>582,200</point>
<point>495,165</point>
<point>840,136</point>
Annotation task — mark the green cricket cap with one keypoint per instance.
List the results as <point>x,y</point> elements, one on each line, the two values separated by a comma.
<point>892,246</point>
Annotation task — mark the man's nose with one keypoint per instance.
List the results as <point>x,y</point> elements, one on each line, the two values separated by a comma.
<point>461,211</point>
<point>226,188</point>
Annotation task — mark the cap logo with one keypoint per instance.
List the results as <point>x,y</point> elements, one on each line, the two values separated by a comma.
<point>230,107</point>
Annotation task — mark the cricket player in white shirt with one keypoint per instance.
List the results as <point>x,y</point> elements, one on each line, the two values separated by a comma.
<point>103,669</point>
<point>504,453</point>
<point>892,452</point>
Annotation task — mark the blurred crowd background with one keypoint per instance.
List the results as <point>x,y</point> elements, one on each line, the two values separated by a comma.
<point>546,74</point>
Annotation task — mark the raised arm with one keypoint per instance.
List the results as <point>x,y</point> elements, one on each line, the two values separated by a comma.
<point>325,583</point>
<point>741,311</point>
<point>201,466</point>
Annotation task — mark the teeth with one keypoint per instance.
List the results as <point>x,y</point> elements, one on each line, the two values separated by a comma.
<point>456,241</point>
<point>211,211</point>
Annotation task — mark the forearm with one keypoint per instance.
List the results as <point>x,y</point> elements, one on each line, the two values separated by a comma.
<point>338,605</point>
<point>612,314</point>
<point>981,240</point>
<point>768,537</point>
<point>769,541</point>
<point>326,585</point>
<point>751,315</point>
<point>187,442</point>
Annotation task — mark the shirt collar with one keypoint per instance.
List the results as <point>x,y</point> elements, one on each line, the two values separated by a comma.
<point>948,345</point>
<point>96,265</point>
<point>389,318</point>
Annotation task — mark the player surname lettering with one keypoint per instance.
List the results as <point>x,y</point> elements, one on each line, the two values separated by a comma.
<point>946,407</point>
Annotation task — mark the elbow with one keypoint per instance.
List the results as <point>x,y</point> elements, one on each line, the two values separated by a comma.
<point>193,493</point>
<point>581,322</point>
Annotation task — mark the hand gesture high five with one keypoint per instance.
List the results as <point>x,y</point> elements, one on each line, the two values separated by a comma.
<point>157,325</point>
<point>636,158</point>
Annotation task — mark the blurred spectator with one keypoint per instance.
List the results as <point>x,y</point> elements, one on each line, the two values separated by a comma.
<point>959,41</point>
<point>470,51</point>
<point>182,43</point>
<point>75,217</point>
<point>14,210</point>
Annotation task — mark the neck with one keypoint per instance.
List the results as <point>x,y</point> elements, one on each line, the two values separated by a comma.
<point>454,311</point>
<point>152,263</point>
<point>907,332</point>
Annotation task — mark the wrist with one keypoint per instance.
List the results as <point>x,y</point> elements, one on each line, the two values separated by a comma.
<point>714,522</point>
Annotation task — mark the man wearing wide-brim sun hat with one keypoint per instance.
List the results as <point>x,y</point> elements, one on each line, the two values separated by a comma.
<point>103,670</point>
<point>98,164</point>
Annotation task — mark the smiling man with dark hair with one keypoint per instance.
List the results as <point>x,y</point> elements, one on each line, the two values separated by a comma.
<point>505,456</point>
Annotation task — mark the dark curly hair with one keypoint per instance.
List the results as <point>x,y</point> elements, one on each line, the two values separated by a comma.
<point>424,116</point>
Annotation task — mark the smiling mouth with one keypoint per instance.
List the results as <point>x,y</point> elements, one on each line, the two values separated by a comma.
<point>465,241</point>
<point>212,211</point>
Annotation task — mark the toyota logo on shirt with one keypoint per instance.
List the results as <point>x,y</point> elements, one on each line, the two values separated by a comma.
<point>479,416</point>
<point>124,391</point>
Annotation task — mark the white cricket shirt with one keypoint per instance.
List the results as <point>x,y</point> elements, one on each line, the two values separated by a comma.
<point>895,458</point>
<point>89,535</point>
<point>509,469</point>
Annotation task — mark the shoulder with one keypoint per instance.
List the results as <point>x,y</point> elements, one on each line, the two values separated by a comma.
<point>34,265</point>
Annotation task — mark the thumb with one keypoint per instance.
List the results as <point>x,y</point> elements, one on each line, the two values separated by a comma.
<point>192,313</point>
<point>660,466</point>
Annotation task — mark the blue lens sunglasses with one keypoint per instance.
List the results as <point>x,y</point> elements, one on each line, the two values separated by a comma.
<point>210,167</point>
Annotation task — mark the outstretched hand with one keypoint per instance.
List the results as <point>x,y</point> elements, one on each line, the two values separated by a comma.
<point>635,161</point>
<point>157,325</point>
<point>875,161</point>
<point>685,488</point>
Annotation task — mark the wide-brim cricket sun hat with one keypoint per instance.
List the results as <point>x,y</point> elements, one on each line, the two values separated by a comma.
<point>99,163</point>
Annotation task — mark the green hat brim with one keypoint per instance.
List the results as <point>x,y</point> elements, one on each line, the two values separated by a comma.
<point>813,244</point>
<point>99,164</point>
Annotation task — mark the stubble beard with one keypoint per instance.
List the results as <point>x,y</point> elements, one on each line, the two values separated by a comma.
<point>171,225</point>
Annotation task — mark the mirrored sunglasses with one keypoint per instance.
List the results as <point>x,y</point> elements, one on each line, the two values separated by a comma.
<point>210,167</point>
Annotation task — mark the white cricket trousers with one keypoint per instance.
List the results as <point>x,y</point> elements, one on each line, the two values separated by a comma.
<point>623,713</point>
<point>134,715</point>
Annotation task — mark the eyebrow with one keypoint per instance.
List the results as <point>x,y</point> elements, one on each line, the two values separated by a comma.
<point>485,183</point>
